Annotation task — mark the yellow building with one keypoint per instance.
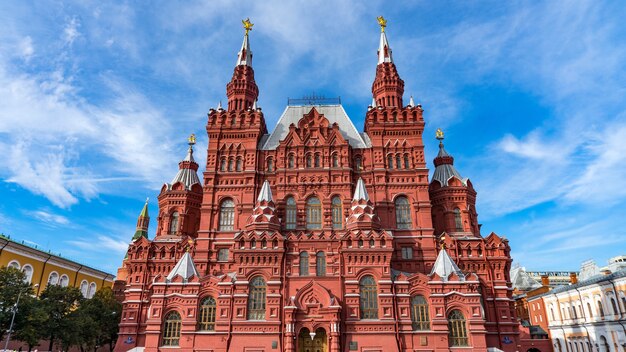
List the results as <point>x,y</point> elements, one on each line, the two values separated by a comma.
<point>43,268</point>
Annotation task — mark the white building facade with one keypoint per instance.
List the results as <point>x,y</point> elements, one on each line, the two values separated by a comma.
<point>589,315</point>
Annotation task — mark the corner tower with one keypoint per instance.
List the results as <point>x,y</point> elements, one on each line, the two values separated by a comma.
<point>453,197</point>
<point>388,87</point>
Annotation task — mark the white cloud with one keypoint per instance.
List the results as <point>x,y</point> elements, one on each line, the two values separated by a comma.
<point>26,48</point>
<point>70,32</point>
<point>48,218</point>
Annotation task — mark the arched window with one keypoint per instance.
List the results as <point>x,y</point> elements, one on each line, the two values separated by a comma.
<point>304,264</point>
<point>14,264</point>
<point>318,161</point>
<point>398,162</point>
<point>28,273</point>
<point>231,164</point>
<point>64,281</point>
<point>256,299</point>
<point>290,213</point>
<point>239,166</point>
<point>600,310</point>
<point>614,305</point>
<point>406,161</point>
<point>337,213</point>
<point>360,243</point>
<point>313,214</point>
<point>457,332</point>
<point>320,264</point>
<point>84,288</point>
<point>335,160</point>
<point>368,298</point>
<point>588,308</point>
<point>420,316</point>
<point>403,213</point>
<point>291,161</point>
<point>390,161</point>
<point>253,244</point>
<point>275,243</point>
<point>264,243</point>
<point>53,279</point>
<point>372,243</point>
<point>458,222</point>
<point>223,164</point>
<point>171,329</point>
<point>270,165</point>
<point>358,164</point>
<point>227,215</point>
<point>92,290</point>
<point>174,223</point>
<point>206,319</point>
<point>309,160</point>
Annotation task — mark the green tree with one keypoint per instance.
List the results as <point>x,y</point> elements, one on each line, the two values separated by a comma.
<point>101,314</point>
<point>30,321</point>
<point>12,285</point>
<point>59,303</point>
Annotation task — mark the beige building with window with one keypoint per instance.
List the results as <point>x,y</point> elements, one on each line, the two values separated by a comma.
<point>44,268</point>
<point>589,315</point>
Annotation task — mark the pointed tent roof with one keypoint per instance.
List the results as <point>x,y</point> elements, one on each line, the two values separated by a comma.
<point>444,266</point>
<point>522,280</point>
<point>187,171</point>
<point>360,192</point>
<point>444,167</point>
<point>266,193</point>
<point>384,50</point>
<point>185,268</point>
<point>144,210</point>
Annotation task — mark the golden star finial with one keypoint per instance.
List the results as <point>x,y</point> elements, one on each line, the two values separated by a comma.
<point>192,139</point>
<point>439,134</point>
<point>247,25</point>
<point>382,22</point>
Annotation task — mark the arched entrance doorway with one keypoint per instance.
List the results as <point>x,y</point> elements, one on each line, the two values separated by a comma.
<point>604,344</point>
<point>312,342</point>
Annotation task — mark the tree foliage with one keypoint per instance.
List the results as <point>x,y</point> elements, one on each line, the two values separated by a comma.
<point>61,315</point>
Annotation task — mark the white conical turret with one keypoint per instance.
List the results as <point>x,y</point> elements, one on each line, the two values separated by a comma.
<point>360,193</point>
<point>266,193</point>
<point>444,266</point>
<point>185,268</point>
<point>244,57</point>
<point>384,50</point>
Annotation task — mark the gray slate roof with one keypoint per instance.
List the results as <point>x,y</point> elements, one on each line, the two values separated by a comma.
<point>187,176</point>
<point>334,113</point>
<point>445,266</point>
<point>185,268</point>
<point>444,172</point>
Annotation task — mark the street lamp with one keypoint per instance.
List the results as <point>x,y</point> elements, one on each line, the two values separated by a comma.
<point>14,309</point>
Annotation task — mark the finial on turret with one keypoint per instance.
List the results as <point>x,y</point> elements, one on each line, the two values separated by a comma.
<point>442,242</point>
<point>439,134</point>
<point>192,139</point>
<point>382,22</point>
<point>247,25</point>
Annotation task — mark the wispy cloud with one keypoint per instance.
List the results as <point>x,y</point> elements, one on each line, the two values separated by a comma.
<point>48,217</point>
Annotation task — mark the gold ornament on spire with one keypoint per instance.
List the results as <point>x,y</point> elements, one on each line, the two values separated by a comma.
<point>247,25</point>
<point>439,134</point>
<point>382,22</point>
<point>192,139</point>
<point>190,243</point>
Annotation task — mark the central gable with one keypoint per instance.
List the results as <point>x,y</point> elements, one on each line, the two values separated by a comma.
<point>321,114</point>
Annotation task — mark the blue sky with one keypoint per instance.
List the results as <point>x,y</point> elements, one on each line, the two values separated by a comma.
<point>97,99</point>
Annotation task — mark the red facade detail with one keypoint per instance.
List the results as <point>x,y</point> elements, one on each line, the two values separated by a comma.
<point>316,261</point>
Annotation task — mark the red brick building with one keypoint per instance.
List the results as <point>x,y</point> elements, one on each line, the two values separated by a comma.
<point>315,237</point>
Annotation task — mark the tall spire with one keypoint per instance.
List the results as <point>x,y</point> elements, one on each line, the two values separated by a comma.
<point>266,193</point>
<point>242,90</point>
<point>384,50</point>
<point>360,193</point>
<point>244,57</point>
<point>388,87</point>
<point>143,222</point>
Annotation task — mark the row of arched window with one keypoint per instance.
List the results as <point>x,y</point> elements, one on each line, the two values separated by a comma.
<point>87,289</point>
<point>231,164</point>
<point>313,212</point>
<point>571,312</point>
<point>320,264</point>
<point>401,161</point>
<point>368,292</point>
<point>312,160</point>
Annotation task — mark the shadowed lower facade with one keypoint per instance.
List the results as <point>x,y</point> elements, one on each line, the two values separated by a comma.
<point>317,237</point>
